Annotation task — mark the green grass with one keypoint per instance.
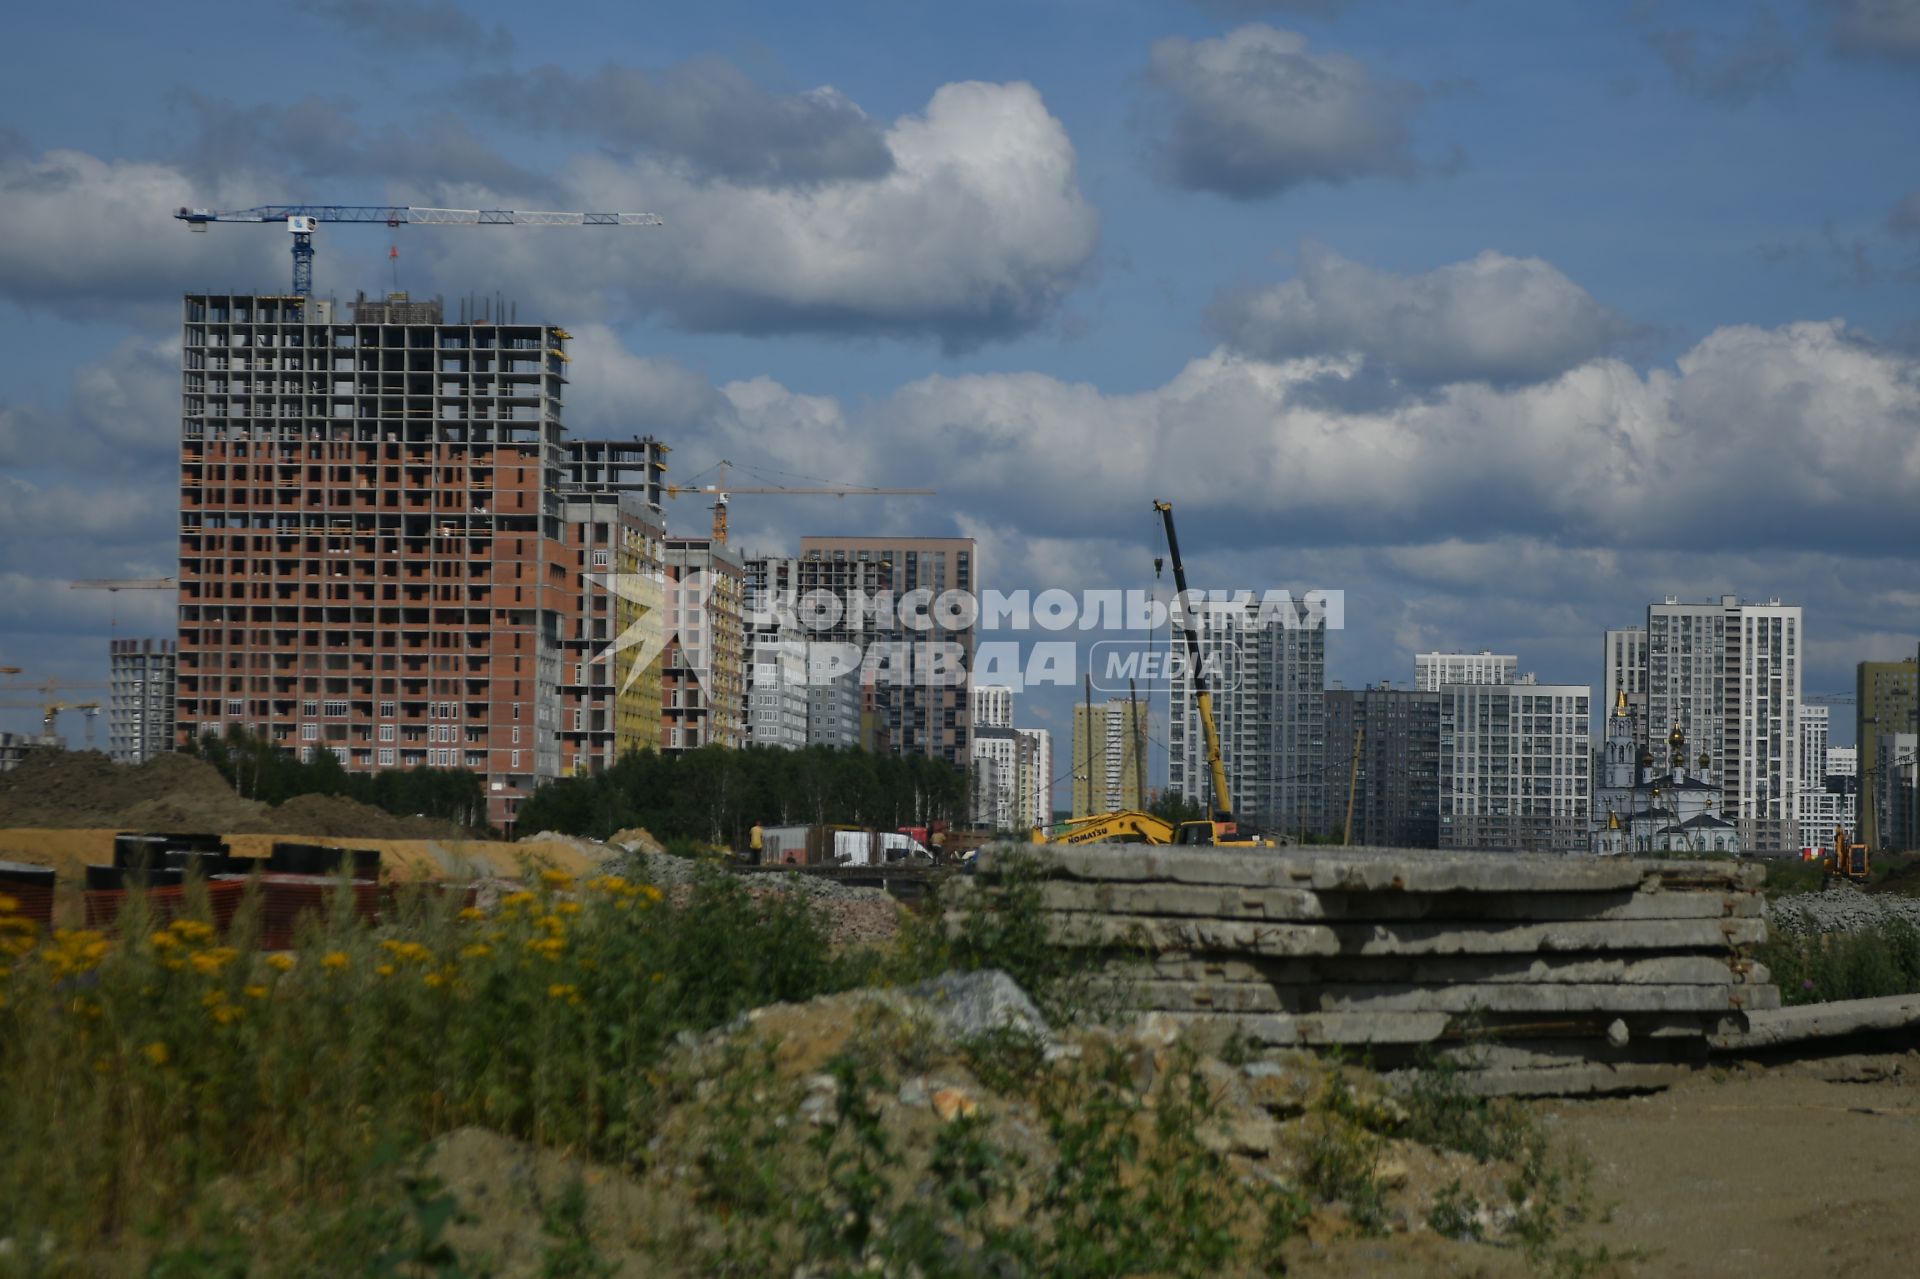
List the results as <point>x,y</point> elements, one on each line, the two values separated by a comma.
<point>1819,968</point>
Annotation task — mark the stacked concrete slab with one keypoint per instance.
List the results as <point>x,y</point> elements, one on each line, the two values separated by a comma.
<point>1538,974</point>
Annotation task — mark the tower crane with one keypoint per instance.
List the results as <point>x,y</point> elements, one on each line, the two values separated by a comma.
<point>118,584</point>
<point>722,491</point>
<point>301,219</point>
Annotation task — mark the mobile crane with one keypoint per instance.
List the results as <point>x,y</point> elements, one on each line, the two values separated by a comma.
<point>1219,828</point>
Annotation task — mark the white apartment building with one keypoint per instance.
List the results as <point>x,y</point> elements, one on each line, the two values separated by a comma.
<point>1269,684</point>
<point>992,706</point>
<point>995,777</point>
<point>1813,746</point>
<point>1515,767</point>
<point>1432,670</point>
<point>1036,778</point>
<point>140,709</point>
<point>777,693</point>
<point>1625,667</point>
<point>1729,674</point>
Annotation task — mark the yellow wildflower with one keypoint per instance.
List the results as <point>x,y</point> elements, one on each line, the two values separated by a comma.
<point>385,970</point>
<point>473,914</point>
<point>157,1053</point>
<point>191,930</point>
<point>556,879</point>
<point>163,941</point>
<point>479,950</point>
<point>334,960</point>
<point>103,1065</point>
<point>255,991</point>
<point>8,905</point>
<point>435,981</point>
<point>658,978</point>
<point>208,962</point>
<point>227,1014</point>
<point>650,892</point>
<point>521,898</point>
<point>280,962</point>
<point>213,999</point>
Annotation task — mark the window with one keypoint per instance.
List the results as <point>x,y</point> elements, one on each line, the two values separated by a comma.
<point>601,559</point>
<point>386,757</point>
<point>336,708</point>
<point>386,712</point>
<point>514,760</point>
<point>386,734</point>
<point>516,737</point>
<point>310,707</point>
<point>309,732</point>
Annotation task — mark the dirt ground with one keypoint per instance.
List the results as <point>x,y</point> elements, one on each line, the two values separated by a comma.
<point>1788,1170</point>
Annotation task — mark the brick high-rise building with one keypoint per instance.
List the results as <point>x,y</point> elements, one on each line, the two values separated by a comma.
<point>374,552</point>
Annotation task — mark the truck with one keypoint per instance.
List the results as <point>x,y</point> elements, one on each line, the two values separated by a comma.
<point>876,848</point>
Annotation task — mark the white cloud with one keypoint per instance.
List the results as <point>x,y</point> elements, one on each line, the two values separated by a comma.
<point>1256,112</point>
<point>84,235</point>
<point>1492,317</point>
<point>978,232</point>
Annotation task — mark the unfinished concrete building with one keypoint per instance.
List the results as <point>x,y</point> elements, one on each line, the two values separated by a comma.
<point>140,699</point>
<point>374,555</point>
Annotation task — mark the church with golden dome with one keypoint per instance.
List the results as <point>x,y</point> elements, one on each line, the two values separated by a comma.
<point>1644,804</point>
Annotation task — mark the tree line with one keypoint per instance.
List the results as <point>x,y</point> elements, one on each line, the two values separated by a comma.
<point>258,769</point>
<point>715,794</point>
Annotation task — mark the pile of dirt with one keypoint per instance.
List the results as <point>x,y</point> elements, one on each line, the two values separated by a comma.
<point>747,1112</point>
<point>336,815</point>
<point>86,790</point>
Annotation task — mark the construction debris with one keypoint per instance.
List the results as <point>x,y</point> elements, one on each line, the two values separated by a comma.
<point>1543,975</point>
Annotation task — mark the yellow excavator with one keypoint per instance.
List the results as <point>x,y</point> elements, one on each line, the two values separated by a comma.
<point>1219,829</point>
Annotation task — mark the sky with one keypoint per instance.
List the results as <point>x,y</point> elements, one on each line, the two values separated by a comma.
<point>1503,318</point>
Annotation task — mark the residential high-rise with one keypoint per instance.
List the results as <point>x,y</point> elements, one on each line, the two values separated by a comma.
<point>373,556</point>
<point>1396,790</point>
<point>1268,683</point>
<point>1515,767</point>
<point>703,682</point>
<point>1109,763</point>
<point>1625,667</point>
<point>1728,674</point>
<point>1432,670</point>
<point>1035,799</point>
<point>922,697</point>
<point>995,778</point>
<point>819,602</point>
<point>140,699</point>
<point>992,706</point>
<point>1884,702</point>
<point>615,522</point>
<point>777,693</point>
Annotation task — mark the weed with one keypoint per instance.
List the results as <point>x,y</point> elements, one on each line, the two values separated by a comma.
<point>1007,1059</point>
<point>1441,1112</point>
<point>1455,1213</point>
<point>570,1253</point>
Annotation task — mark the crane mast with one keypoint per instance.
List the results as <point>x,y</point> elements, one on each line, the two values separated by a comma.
<point>1222,812</point>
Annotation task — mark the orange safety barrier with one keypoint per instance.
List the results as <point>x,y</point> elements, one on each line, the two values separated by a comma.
<point>284,899</point>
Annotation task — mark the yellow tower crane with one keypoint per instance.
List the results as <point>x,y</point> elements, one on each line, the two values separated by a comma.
<point>722,491</point>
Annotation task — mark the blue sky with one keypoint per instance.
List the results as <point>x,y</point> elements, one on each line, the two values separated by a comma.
<point>1503,317</point>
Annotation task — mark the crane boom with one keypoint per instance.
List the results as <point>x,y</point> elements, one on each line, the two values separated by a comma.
<point>1202,695</point>
<point>124,584</point>
<point>302,218</point>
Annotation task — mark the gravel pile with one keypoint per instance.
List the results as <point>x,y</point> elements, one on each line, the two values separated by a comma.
<point>1840,909</point>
